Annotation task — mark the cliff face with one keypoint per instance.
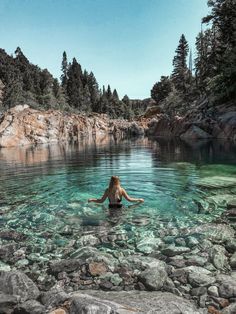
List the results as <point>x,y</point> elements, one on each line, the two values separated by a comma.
<point>196,124</point>
<point>22,125</point>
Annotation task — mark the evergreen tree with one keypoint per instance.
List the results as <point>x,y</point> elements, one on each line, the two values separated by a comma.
<point>64,69</point>
<point>75,85</point>
<point>115,95</point>
<point>180,72</point>
<point>223,20</point>
<point>161,89</point>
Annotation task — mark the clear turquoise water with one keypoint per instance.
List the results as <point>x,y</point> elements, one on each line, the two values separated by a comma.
<point>44,189</point>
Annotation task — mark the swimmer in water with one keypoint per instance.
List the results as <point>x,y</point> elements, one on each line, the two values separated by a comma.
<point>115,193</point>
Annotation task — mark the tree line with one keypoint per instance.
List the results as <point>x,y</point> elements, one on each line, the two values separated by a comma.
<point>214,74</point>
<point>22,82</point>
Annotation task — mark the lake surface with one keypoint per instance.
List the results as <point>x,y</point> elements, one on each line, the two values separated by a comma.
<point>44,190</point>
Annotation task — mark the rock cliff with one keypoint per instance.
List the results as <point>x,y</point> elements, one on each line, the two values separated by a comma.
<point>22,125</point>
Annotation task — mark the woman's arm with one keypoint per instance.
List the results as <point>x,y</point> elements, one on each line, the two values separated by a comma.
<point>99,200</point>
<point>131,199</point>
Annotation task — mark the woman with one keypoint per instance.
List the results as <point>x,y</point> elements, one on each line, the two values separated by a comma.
<point>114,193</point>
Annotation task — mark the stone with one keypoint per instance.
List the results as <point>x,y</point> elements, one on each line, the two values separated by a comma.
<point>17,283</point>
<point>198,291</point>
<point>7,303</point>
<point>212,310</point>
<point>218,182</point>
<point>30,307</point>
<point>231,309</point>
<point>232,261</point>
<point>68,265</point>
<point>218,258</point>
<point>231,204</point>
<point>4,267</point>
<point>215,232</point>
<point>148,245</point>
<point>231,245</point>
<point>227,286</point>
<point>200,280</point>
<point>58,311</point>
<point>131,302</point>
<point>194,132</point>
<point>89,240</point>
<point>175,250</point>
<point>54,126</point>
<point>154,276</point>
<point>97,269</point>
<point>54,297</point>
<point>213,290</point>
<point>191,241</point>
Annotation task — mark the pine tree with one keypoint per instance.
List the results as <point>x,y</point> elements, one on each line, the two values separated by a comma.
<point>75,85</point>
<point>180,72</point>
<point>64,69</point>
<point>115,95</point>
<point>161,89</point>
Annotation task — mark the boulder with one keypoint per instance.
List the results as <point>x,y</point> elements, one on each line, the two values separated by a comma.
<point>175,250</point>
<point>18,284</point>
<point>30,307</point>
<point>194,132</point>
<point>154,276</point>
<point>7,302</point>
<point>218,257</point>
<point>131,302</point>
<point>232,261</point>
<point>227,286</point>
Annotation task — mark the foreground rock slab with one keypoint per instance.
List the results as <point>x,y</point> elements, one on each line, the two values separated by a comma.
<point>98,302</point>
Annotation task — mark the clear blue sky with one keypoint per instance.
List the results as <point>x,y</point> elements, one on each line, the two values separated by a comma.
<point>126,43</point>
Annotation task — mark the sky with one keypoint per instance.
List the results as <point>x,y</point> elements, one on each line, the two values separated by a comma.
<point>128,44</point>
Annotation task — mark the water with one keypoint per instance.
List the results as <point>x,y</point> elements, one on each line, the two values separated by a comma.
<point>44,191</point>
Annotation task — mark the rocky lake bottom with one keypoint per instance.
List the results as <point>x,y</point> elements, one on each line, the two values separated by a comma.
<point>57,252</point>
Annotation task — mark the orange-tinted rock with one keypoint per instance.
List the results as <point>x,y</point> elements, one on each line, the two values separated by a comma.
<point>97,268</point>
<point>58,311</point>
<point>213,310</point>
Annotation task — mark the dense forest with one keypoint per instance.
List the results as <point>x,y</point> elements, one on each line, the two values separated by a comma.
<point>21,82</point>
<point>210,77</point>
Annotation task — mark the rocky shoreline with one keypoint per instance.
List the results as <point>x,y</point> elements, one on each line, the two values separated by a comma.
<point>22,125</point>
<point>189,270</point>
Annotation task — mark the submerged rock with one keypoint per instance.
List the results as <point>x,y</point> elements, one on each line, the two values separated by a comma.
<point>175,250</point>
<point>217,182</point>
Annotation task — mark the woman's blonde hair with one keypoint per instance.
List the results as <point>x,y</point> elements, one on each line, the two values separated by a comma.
<point>114,182</point>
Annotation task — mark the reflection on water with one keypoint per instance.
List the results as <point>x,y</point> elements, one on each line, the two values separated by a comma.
<point>44,189</point>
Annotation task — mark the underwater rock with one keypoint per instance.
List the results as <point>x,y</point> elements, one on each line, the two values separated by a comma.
<point>175,250</point>
<point>215,232</point>
<point>231,204</point>
<point>17,283</point>
<point>89,239</point>
<point>149,245</point>
<point>217,182</point>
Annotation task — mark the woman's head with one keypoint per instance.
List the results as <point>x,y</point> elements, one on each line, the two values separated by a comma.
<point>114,182</point>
